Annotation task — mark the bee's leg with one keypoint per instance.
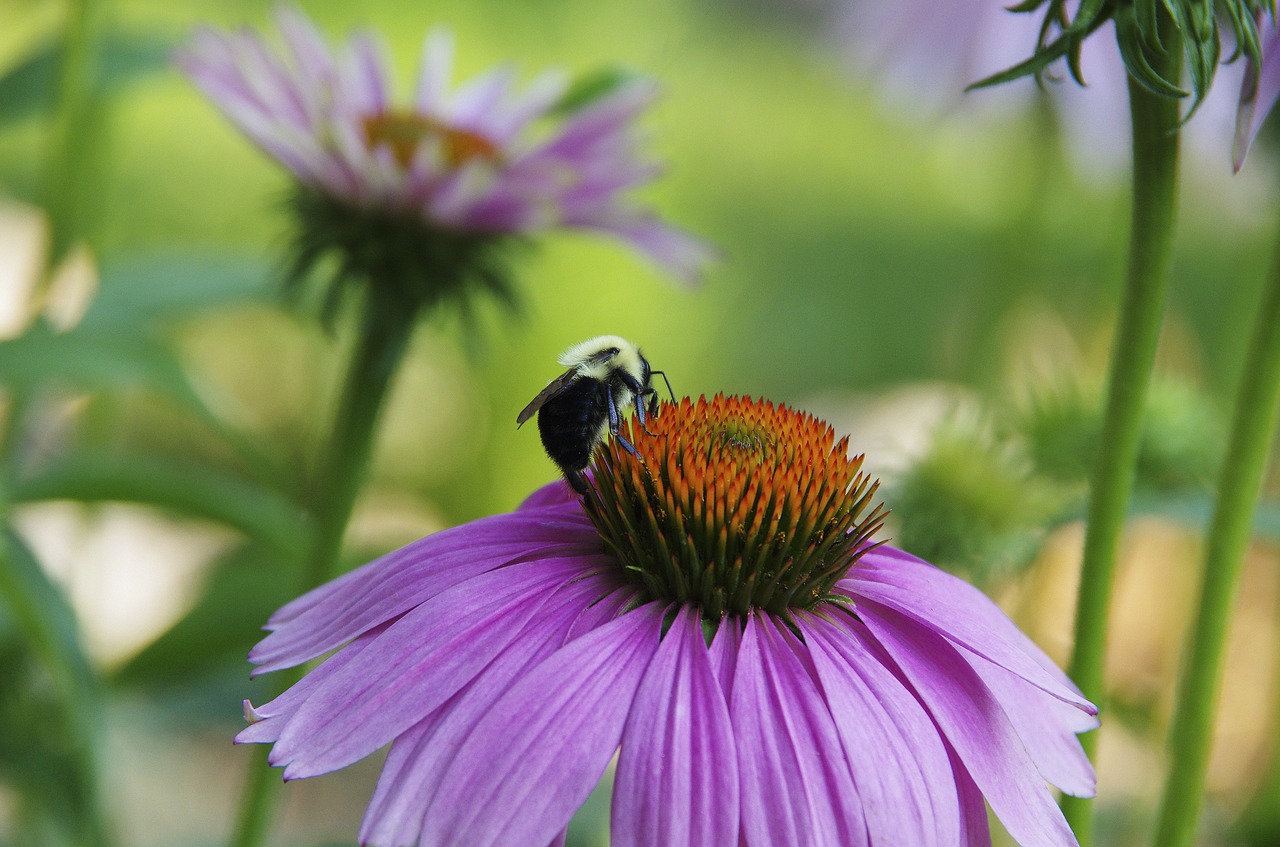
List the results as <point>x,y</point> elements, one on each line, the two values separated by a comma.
<point>638,393</point>
<point>614,424</point>
<point>576,480</point>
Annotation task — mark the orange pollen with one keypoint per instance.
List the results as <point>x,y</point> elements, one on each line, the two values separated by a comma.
<point>734,504</point>
<point>404,131</point>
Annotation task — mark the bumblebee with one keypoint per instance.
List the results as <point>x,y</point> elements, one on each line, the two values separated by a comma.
<point>578,407</point>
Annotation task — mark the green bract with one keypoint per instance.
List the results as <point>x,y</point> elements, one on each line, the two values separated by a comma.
<point>1137,34</point>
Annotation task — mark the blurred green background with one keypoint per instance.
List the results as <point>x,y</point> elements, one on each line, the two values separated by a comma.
<point>939,285</point>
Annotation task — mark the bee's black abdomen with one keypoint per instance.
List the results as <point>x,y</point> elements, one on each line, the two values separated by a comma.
<point>570,422</point>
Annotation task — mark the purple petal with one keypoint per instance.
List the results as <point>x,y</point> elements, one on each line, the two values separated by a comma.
<point>974,725</point>
<point>1047,727</point>
<point>683,255</point>
<point>1259,92</point>
<point>724,653</point>
<point>975,831</point>
<point>677,782</point>
<point>537,753</point>
<point>421,661</point>
<point>960,612</point>
<point>272,717</point>
<point>900,763</point>
<point>362,77</point>
<point>556,494</point>
<point>796,786</point>
<point>434,74</point>
<point>532,103</point>
<point>310,53</point>
<point>340,610</point>
<point>601,121</point>
<point>478,98</point>
<point>419,757</point>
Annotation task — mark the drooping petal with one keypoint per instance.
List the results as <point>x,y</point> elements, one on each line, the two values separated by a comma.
<point>899,761</point>
<point>419,757</point>
<point>1259,93</point>
<point>414,666</point>
<point>339,610</point>
<point>677,778</point>
<point>974,829</point>
<point>271,718</point>
<point>973,724</point>
<point>958,611</point>
<point>683,255</point>
<point>537,753</point>
<point>796,787</point>
<point>1047,727</point>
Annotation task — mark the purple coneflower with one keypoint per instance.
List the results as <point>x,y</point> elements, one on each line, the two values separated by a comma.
<point>396,189</point>
<point>715,609</point>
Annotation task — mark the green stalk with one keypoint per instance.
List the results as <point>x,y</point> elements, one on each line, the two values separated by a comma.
<point>385,330</point>
<point>1155,182</point>
<point>1252,429</point>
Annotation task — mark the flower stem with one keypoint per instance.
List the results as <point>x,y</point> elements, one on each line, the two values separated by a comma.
<point>1252,429</point>
<point>1155,180</point>
<point>384,334</point>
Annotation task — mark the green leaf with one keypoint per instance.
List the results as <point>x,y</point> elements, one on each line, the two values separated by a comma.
<point>591,87</point>
<point>1088,16</point>
<point>67,727</point>
<point>183,487</point>
<point>1043,58</point>
<point>27,89</point>
<point>174,285</point>
<point>94,359</point>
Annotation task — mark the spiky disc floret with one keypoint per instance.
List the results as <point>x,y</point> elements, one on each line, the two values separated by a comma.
<point>734,504</point>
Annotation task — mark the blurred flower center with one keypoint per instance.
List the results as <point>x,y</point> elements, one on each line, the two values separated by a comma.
<point>404,131</point>
<point>734,504</point>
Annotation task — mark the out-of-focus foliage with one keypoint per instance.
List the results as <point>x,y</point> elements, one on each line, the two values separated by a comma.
<point>862,250</point>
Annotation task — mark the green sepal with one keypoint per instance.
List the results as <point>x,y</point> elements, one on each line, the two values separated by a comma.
<point>1133,50</point>
<point>405,262</point>
<point>1025,6</point>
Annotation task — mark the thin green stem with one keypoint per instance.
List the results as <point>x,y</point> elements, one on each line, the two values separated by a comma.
<point>1252,429</point>
<point>1155,182</point>
<point>261,793</point>
<point>384,334</point>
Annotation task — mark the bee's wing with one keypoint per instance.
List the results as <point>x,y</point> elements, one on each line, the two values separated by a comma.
<point>553,388</point>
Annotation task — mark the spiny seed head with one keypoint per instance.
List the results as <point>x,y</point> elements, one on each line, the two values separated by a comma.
<point>734,504</point>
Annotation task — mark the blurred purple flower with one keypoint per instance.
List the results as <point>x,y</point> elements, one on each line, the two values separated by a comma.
<point>487,158</point>
<point>1258,93</point>
<point>506,661</point>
